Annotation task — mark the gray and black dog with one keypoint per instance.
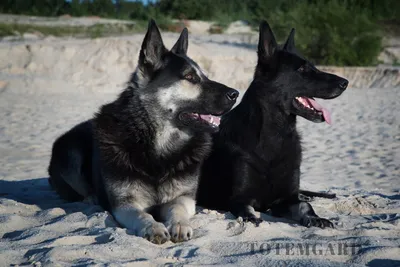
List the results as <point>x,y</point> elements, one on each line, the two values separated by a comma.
<point>140,156</point>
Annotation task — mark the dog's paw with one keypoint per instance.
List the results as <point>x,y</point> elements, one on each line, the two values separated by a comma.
<point>156,233</point>
<point>180,232</point>
<point>310,221</point>
<point>253,219</point>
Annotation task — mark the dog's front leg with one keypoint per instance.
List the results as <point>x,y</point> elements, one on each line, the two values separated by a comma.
<point>301,212</point>
<point>176,215</point>
<point>133,217</point>
<point>246,211</point>
<point>241,202</point>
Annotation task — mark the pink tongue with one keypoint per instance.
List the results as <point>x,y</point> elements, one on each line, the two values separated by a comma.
<point>216,120</point>
<point>325,112</point>
<point>205,117</point>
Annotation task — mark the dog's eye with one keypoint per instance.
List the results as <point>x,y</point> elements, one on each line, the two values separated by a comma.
<point>191,77</point>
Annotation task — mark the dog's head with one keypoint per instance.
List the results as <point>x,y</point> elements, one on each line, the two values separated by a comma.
<point>177,88</point>
<point>297,79</point>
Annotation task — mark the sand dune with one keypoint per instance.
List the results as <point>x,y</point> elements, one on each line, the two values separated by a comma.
<point>47,86</point>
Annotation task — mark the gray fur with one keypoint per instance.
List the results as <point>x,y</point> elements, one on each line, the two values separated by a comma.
<point>142,153</point>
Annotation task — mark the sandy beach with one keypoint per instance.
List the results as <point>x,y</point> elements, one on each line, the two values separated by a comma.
<point>49,85</point>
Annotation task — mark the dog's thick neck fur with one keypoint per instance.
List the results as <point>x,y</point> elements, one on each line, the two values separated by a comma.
<point>135,146</point>
<point>167,137</point>
<point>258,116</point>
<point>145,132</point>
<point>275,117</point>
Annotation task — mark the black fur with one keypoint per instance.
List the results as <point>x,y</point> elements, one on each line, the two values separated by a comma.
<point>308,195</point>
<point>255,163</point>
<point>125,136</point>
<point>142,153</point>
<point>71,159</point>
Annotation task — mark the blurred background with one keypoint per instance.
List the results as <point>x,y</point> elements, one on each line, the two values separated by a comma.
<point>329,32</point>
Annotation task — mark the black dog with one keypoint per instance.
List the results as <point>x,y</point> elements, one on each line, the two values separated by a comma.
<point>255,163</point>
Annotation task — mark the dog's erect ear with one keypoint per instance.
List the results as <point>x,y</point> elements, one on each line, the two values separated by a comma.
<point>266,43</point>
<point>153,48</point>
<point>289,45</point>
<point>181,46</point>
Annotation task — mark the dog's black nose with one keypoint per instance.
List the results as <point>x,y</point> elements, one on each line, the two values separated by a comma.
<point>343,84</point>
<point>232,95</point>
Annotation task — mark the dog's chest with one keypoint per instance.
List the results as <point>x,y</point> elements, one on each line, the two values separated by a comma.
<point>173,188</point>
<point>148,194</point>
<point>281,177</point>
<point>284,162</point>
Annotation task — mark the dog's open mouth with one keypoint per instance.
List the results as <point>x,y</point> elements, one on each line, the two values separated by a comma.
<point>210,119</point>
<point>201,120</point>
<point>313,108</point>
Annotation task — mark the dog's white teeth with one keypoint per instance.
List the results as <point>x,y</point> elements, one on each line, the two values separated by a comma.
<point>304,102</point>
<point>212,120</point>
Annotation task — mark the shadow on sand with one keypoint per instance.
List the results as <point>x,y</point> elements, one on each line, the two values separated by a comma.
<point>38,192</point>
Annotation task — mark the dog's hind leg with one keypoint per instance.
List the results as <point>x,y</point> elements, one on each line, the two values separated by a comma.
<point>301,212</point>
<point>64,189</point>
<point>66,175</point>
<point>176,215</point>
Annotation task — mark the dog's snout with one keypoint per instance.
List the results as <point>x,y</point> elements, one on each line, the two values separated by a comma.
<point>232,95</point>
<point>343,84</point>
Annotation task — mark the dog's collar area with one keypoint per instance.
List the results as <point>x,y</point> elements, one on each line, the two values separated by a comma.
<point>312,105</point>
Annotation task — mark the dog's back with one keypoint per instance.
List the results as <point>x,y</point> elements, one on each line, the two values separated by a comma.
<point>71,161</point>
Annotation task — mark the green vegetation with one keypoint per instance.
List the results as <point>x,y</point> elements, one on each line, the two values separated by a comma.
<point>331,32</point>
<point>94,31</point>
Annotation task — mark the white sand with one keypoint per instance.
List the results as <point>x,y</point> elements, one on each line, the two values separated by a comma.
<point>48,86</point>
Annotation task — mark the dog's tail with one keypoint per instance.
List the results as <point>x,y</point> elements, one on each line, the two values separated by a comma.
<point>317,194</point>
